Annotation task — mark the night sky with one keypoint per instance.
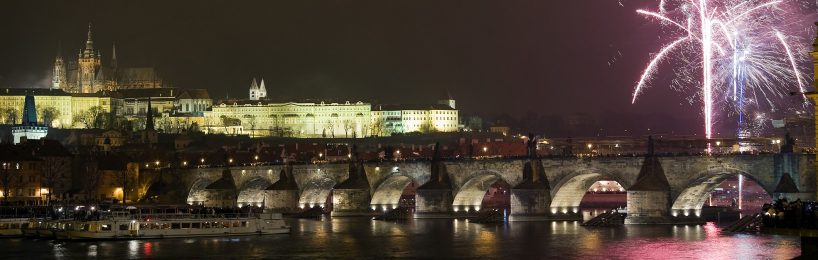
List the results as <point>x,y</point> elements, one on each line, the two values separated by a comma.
<point>495,57</point>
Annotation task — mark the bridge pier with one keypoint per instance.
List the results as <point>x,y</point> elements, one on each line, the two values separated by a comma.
<point>434,199</point>
<point>282,196</point>
<point>352,197</point>
<point>222,192</point>
<point>649,197</point>
<point>433,203</point>
<point>530,200</point>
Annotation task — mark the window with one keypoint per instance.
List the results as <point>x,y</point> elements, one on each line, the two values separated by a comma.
<point>175,226</point>
<point>196,225</point>
<point>186,225</point>
<point>123,227</point>
<point>104,227</point>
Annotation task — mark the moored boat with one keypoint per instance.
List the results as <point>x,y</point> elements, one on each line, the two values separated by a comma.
<point>12,227</point>
<point>174,227</point>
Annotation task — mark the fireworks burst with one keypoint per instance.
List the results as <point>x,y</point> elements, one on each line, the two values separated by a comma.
<point>739,55</point>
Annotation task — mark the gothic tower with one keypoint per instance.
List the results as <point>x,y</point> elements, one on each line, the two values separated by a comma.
<point>254,92</point>
<point>89,62</point>
<point>58,78</point>
<point>262,90</point>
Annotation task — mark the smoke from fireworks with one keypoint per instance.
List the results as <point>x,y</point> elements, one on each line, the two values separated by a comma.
<point>738,55</point>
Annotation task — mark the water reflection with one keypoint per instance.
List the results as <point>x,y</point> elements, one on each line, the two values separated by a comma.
<point>366,238</point>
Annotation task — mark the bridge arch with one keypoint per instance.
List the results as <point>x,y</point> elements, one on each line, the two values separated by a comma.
<point>692,198</point>
<point>251,191</point>
<point>567,194</point>
<point>197,194</point>
<point>389,192</point>
<point>316,191</point>
<point>471,194</point>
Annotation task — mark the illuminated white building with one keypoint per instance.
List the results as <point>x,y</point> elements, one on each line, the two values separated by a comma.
<point>392,119</point>
<point>294,119</point>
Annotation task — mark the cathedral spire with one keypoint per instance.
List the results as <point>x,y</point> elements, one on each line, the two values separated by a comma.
<point>113,56</point>
<point>89,43</point>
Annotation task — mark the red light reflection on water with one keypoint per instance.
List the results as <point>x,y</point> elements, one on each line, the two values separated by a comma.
<point>704,242</point>
<point>147,249</point>
<point>711,230</point>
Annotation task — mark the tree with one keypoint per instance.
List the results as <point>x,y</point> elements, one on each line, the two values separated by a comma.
<point>330,126</point>
<point>92,179</point>
<point>6,177</point>
<point>426,127</point>
<point>94,117</point>
<point>51,173</point>
<point>348,126</point>
<point>50,114</point>
<point>251,120</point>
<point>10,115</point>
<point>377,127</point>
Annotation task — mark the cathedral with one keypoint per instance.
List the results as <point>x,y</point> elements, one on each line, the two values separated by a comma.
<point>88,74</point>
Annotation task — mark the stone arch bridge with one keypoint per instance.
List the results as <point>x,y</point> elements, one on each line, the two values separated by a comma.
<point>660,189</point>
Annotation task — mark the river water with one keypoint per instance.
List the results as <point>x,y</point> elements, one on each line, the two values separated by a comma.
<point>365,238</point>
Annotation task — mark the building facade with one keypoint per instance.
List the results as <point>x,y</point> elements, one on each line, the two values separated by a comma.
<point>292,119</point>
<point>398,119</point>
<point>56,108</point>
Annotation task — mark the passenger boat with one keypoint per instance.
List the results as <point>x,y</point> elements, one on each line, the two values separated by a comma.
<point>30,230</point>
<point>12,227</point>
<point>173,227</point>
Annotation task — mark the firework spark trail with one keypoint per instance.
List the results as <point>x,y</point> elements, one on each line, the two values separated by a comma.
<point>707,54</point>
<point>732,46</point>
<point>652,66</point>
<point>792,61</point>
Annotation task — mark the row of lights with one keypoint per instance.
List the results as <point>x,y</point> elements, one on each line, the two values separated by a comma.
<point>466,208</point>
<point>685,212</point>
<point>564,210</point>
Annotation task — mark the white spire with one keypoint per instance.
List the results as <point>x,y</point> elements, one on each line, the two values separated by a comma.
<point>262,91</point>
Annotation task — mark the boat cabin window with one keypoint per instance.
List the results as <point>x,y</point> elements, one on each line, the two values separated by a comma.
<point>106,227</point>
<point>197,225</point>
<point>206,225</point>
<point>4,226</point>
<point>236,224</point>
<point>244,224</point>
<point>165,226</point>
<point>123,227</point>
<point>185,225</point>
<point>225,224</point>
<point>174,226</point>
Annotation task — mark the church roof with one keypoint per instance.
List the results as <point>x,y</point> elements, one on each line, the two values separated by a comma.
<point>138,74</point>
<point>193,94</point>
<point>149,92</point>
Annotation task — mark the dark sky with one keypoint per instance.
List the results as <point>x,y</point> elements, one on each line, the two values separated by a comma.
<point>543,56</point>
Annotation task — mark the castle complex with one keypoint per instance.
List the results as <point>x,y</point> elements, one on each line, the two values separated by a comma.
<point>90,93</point>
